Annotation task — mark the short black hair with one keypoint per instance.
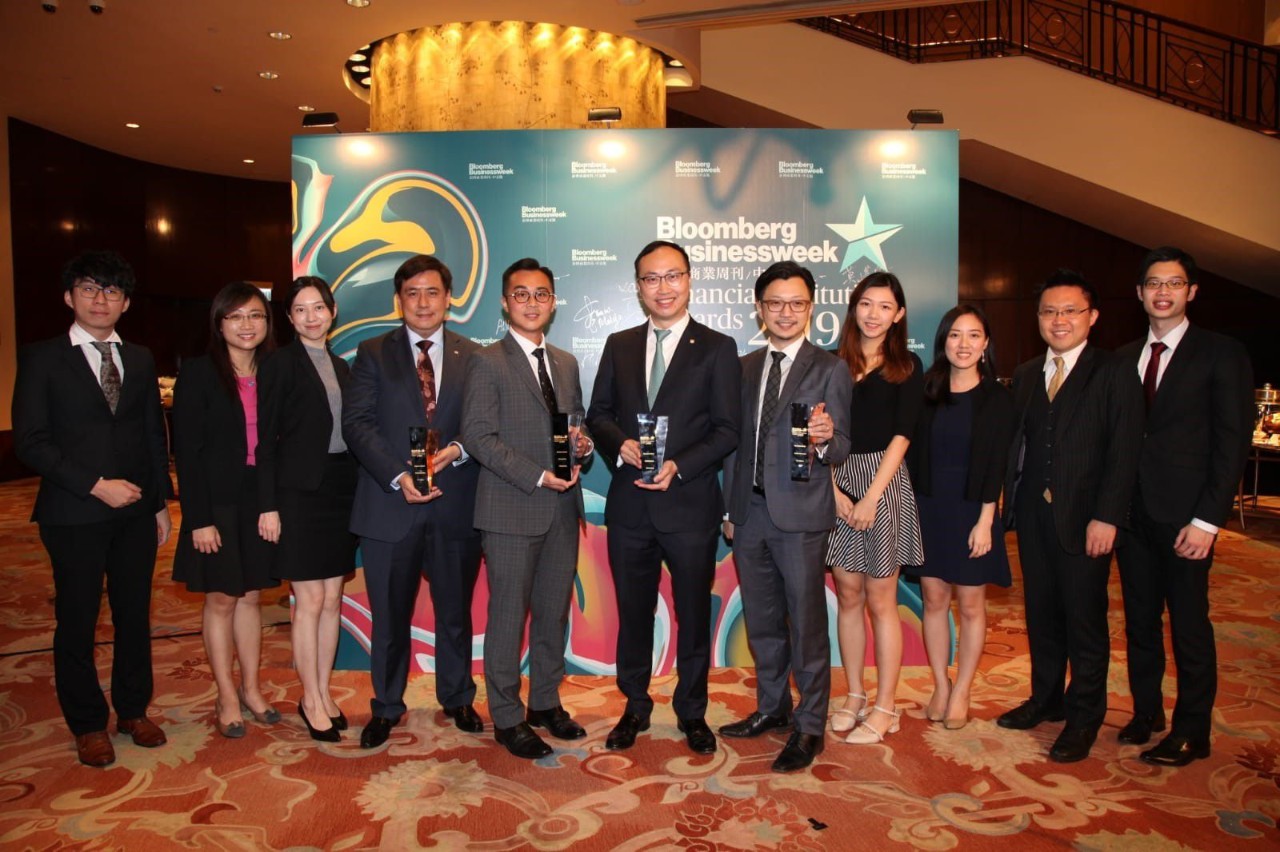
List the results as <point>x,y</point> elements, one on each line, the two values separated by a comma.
<point>782,270</point>
<point>106,267</point>
<point>527,264</point>
<point>419,264</point>
<point>1063,277</point>
<point>654,246</point>
<point>1171,254</point>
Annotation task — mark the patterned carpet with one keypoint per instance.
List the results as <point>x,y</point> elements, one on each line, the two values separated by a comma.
<point>431,786</point>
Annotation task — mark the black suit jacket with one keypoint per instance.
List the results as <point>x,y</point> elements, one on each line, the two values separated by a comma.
<point>1198,428</point>
<point>209,446</point>
<point>294,421</point>
<point>64,430</point>
<point>1095,451</point>
<point>381,401</point>
<point>993,419</point>
<point>700,398</point>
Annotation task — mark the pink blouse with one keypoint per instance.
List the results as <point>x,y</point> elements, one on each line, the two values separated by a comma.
<point>249,402</point>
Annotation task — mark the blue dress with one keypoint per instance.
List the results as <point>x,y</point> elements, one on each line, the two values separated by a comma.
<point>946,517</point>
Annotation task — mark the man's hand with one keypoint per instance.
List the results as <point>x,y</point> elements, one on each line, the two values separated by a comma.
<point>583,446</point>
<point>555,483</point>
<point>1099,538</point>
<point>412,494</point>
<point>207,539</point>
<point>727,528</point>
<point>269,527</point>
<point>444,458</point>
<point>116,493</point>
<point>164,526</point>
<point>662,481</point>
<point>630,452</point>
<point>821,427</point>
<point>1193,542</point>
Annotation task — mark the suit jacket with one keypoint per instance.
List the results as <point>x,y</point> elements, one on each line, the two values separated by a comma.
<point>1198,428</point>
<point>992,431</point>
<point>700,396</point>
<point>381,401</point>
<point>507,427</point>
<point>1095,452</point>
<point>816,376</point>
<point>64,430</point>
<point>209,442</point>
<point>294,422</point>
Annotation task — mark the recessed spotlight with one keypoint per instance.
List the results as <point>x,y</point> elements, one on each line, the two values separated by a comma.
<point>360,69</point>
<point>363,47</point>
<point>359,4</point>
<point>366,81</point>
<point>676,63</point>
<point>268,75</point>
<point>247,162</point>
<point>132,125</point>
<point>357,57</point>
<point>306,108</point>
<point>280,36</point>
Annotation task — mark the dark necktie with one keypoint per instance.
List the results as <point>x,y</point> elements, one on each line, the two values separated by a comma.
<point>768,410</point>
<point>108,375</point>
<point>548,392</point>
<point>1153,371</point>
<point>427,379</point>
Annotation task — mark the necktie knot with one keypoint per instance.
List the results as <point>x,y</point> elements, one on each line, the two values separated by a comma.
<point>778,356</point>
<point>1157,349</point>
<point>103,347</point>
<point>423,346</point>
<point>661,334</point>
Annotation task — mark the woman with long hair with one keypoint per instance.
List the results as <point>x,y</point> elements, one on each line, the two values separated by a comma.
<point>219,552</point>
<point>957,462</point>
<point>877,530</point>
<point>307,482</point>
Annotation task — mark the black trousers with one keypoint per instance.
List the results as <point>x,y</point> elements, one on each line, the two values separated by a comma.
<point>1066,600</point>
<point>124,553</point>
<point>636,555</point>
<point>1153,576</point>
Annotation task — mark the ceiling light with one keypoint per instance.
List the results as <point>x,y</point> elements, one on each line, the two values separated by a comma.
<point>357,57</point>
<point>268,75</point>
<point>677,78</point>
<point>132,125</point>
<point>247,162</point>
<point>676,63</point>
<point>280,36</point>
<point>360,69</point>
<point>306,108</point>
<point>359,4</point>
<point>366,81</point>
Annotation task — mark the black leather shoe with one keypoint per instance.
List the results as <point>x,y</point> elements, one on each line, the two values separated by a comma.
<point>1175,750</point>
<point>624,733</point>
<point>1140,729</point>
<point>328,735</point>
<point>376,732</point>
<point>558,723</point>
<point>1027,715</point>
<point>521,741</point>
<point>754,725</point>
<point>697,735</point>
<point>799,752</point>
<point>339,721</point>
<point>1073,744</point>
<point>466,718</point>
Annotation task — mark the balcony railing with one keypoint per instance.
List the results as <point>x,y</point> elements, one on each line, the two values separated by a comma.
<point>1225,77</point>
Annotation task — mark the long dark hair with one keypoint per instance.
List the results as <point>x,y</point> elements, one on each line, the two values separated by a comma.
<point>897,363</point>
<point>937,379</point>
<point>235,295</point>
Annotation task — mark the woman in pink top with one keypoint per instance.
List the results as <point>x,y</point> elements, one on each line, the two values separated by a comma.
<point>219,551</point>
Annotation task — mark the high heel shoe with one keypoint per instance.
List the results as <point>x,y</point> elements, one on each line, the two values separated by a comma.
<point>855,716</point>
<point>868,734</point>
<point>943,716</point>
<point>328,735</point>
<point>270,716</point>
<point>230,730</point>
<point>339,721</point>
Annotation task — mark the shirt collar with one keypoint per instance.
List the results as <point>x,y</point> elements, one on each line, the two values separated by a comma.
<point>1069,358</point>
<point>791,349</point>
<point>526,345</point>
<point>79,336</point>
<point>676,329</point>
<point>436,337</point>
<point>1172,337</point>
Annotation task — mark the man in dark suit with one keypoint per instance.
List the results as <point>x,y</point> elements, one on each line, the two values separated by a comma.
<point>675,367</point>
<point>779,525</point>
<point>86,417</point>
<point>1071,473</point>
<point>1198,389</point>
<point>528,516</point>
<point>413,376</point>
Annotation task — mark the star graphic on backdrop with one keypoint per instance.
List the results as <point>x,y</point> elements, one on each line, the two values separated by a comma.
<point>865,238</point>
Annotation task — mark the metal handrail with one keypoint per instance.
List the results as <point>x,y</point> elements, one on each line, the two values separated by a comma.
<point>1219,75</point>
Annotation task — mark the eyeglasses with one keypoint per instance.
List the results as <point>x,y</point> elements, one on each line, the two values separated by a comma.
<point>91,290</point>
<point>1063,313</point>
<point>653,279</point>
<point>797,306</point>
<point>242,317</point>
<point>1167,283</point>
<point>521,297</point>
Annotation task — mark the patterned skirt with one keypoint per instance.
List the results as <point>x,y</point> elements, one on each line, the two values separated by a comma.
<point>894,538</point>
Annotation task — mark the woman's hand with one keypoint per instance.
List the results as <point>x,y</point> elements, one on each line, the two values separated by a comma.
<point>980,540</point>
<point>844,507</point>
<point>864,513</point>
<point>269,526</point>
<point>206,539</point>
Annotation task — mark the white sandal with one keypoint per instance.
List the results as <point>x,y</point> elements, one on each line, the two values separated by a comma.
<point>867,734</point>
<point>855,716</point>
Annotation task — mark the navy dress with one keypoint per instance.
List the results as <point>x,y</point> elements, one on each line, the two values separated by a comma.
<point>946,517</point>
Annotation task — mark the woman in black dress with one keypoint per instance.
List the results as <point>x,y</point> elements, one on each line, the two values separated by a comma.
<point>877,530</point>
<point>957,462</point>
<point>307,485</point>
<point>219,552</point>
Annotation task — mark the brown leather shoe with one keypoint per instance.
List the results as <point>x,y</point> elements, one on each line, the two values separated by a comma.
<point>95,749</point>
<point>145,732</point>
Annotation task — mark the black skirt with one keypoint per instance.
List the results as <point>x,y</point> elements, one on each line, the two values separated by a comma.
<point>315,541</point>
<point>243,563</point>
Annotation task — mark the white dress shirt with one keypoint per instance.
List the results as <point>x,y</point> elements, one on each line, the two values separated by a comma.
<point>85,340</point>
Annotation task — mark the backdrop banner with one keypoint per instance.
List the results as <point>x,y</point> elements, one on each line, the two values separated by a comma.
<point>842,203</point>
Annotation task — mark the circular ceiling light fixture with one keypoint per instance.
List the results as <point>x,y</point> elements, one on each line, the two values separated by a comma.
<point>306,108</point>
<point>358,4</point>
<point>279,35</point>
<point>132,125</point>
<point>268,75</point>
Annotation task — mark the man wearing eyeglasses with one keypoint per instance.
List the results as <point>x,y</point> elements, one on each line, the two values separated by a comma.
<point>1071,473</point>
<point>87,418</point>
<point>1198,390</point>
<point>412,376</point>
<point>527,516</point>
<point>675,367</point>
